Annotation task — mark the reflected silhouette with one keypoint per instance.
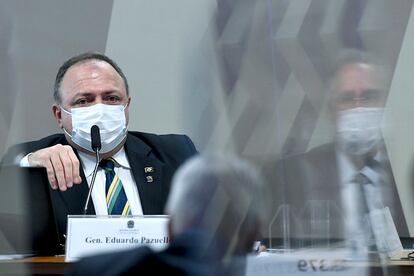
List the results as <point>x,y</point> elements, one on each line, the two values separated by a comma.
<point>341,191</point>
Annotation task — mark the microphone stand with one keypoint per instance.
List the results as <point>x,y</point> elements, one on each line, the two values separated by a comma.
<point>96,146</point>
<point>95,170</point>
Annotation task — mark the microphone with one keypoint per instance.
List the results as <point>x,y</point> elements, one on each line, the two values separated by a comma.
<point>96,147</point>
<point>95,138</point>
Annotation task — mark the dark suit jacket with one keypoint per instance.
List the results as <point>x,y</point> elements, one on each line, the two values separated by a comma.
<point>309,184</point>
<point>165,153</point>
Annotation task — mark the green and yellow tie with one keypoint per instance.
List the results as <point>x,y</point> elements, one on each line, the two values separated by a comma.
<point>116,199</point>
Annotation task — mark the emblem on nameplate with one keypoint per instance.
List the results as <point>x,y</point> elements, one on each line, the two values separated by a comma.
<point>149,169</point>
<point>150,179</point>
<point>130,224</point>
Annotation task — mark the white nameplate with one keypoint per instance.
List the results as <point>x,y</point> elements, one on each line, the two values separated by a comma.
<point>385,232</point>
<point>88,235</point>
<point>335,263</point>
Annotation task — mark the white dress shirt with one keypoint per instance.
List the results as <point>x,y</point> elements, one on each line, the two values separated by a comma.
<point>347,172</point>
<point>356,198</point>
<point>124,173</point>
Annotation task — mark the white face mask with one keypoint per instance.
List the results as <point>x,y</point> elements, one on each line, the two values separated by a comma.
<point>109,118</point>
<point>359,129</point>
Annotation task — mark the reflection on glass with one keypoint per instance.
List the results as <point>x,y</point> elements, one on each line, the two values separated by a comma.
<point>342,193</point>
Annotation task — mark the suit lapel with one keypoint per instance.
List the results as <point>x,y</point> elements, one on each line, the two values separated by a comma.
<point>324,185</point>
<point>147,171</point>
<point>75,198</point>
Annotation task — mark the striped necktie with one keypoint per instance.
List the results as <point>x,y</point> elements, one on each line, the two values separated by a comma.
<point>116,199</point>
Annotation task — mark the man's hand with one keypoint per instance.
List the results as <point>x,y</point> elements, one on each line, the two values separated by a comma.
<point>61,164</point>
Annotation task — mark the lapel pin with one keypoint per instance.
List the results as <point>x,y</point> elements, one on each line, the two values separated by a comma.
<point>149,169</point>
<point>150,179</point>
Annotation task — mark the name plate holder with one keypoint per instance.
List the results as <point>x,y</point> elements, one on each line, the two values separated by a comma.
<point>90,234</point>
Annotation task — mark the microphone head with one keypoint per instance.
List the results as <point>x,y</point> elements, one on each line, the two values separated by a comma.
<point>95,138</point>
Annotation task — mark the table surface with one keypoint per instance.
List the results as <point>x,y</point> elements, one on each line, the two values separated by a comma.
<point>56,265</point>
<point>38,265</point>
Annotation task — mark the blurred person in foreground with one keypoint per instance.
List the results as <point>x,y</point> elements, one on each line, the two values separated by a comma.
<point>136,168</point>
<point>217,206</point>
<point>330,192</point>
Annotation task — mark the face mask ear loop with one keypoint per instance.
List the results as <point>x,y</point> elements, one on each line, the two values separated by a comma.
<point>67,112</point>
<point>64,110</point>
<point>67,133</point>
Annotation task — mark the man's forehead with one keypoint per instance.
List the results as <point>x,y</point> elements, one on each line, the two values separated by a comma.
<point>91,77</point>
<point>357,76</point>
<point>91,72</point>
<point>90,65</point>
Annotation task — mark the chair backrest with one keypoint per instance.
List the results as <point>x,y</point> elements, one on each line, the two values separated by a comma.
<point>27,222</point>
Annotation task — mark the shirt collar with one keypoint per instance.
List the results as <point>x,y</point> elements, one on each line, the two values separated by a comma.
<point>347,170</point>
<point>88,161</point>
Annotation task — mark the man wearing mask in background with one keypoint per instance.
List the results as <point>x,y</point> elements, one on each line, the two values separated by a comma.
<point>339,184</point>
<point>136,168</point>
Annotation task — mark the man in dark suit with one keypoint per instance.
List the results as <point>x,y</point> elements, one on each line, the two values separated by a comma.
<point>217,206</point>
<point>327,193</point>
<point>90,89</point>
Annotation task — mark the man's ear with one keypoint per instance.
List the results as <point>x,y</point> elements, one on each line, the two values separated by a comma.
<point>57,113</point>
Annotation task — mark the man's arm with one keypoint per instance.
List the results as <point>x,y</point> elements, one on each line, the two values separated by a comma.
<point>61,164</point>
<point>60,161</point>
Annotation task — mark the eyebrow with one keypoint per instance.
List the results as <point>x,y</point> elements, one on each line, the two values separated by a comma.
<point>82,94</point>
<point>88,94</point>
<point>112,92</point>
<point>365,93</point>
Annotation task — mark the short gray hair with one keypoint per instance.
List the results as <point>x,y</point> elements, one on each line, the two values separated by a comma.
<point>223,195</point>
